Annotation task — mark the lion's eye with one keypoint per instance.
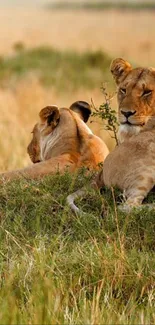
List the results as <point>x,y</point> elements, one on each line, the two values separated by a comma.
<point>147,92</point>
<point>123,91</point>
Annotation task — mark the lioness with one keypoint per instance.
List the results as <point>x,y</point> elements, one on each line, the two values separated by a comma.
<point>131,165</point>
<point>62,140</point>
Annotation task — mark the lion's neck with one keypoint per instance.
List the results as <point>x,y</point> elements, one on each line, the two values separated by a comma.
<point>57,144</point>
<point>126,131</point>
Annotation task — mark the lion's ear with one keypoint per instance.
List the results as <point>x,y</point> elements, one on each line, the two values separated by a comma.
<point>82,108</point>
<point>50,115</point>
<point>119,69</point>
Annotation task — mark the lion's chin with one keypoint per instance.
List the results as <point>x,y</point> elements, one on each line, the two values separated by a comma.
<point>127,130</point>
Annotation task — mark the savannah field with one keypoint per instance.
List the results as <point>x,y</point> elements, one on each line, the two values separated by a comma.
<point>57,268</point>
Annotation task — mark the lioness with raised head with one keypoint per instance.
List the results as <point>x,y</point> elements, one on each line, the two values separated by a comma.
<point>131,165</point>
<point>60,140</point>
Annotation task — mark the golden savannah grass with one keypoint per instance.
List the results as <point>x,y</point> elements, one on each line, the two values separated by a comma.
<point>96,31</point>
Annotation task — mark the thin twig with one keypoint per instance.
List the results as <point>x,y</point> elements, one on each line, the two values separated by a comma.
<point>106,113</point>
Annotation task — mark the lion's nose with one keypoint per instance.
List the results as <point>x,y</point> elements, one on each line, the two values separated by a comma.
<point>127,114</point>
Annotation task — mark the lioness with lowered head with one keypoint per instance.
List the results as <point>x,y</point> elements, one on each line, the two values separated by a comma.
<point>131,165</point>
<point>61,140</point>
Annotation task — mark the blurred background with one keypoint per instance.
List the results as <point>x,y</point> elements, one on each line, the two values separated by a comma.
<point>56,52</point>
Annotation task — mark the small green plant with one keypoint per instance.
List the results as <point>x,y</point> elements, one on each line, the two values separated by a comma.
<point>107,114</point>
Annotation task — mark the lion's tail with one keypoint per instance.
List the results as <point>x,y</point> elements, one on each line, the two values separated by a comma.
<point>72,197</point>
<point>96,183</point>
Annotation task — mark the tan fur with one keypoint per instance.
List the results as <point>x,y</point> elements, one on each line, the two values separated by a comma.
<point>62,140</point>
<point>131,165</point>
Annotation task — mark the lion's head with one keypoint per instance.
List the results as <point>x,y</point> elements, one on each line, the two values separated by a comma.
<point>136,97</point>
<point>56,130</point>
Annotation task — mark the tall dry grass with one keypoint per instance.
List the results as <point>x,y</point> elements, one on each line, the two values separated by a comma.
<point>129,34</point>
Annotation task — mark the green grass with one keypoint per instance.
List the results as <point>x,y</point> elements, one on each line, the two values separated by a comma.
<point>103,5</point>
<point>60,269</point>
<point>63,70</point>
